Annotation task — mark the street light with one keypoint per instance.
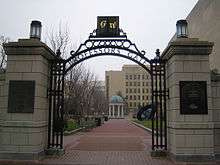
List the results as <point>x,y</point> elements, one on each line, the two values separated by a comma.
<point>35,31</point>
<point>181,29</point>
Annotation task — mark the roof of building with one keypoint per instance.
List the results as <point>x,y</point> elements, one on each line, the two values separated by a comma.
<point>116,99</point>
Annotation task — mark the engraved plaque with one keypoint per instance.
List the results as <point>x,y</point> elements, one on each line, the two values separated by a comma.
<point>193,97</point>
<point>21,96</point>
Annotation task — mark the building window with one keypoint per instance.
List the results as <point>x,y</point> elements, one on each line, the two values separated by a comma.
<point>142,97</point>
<point>130,90</point>
<point>138,83</point>
<point>146,83</point>
<point>139,90</point>
<point>130,77</point>
<point>126,77</point>
<point>139,97</point>
<point>139,77</point>
<point>147,77</point>
<point>142,76</point>
<point>126,90</point>
<point>126,83</point>
<point>126,97</point>
<point>135,77</point>
<point>135,104</point>
<point>143,90</point>
<point>147,97</point>
<point>135,97</point>
<point>146,90</point>
<point>130,97</point>
<point>130,83</point>
<point>135,90</point>
<point>135,83</point>
<point>130,104</point>
<point>143,84</point>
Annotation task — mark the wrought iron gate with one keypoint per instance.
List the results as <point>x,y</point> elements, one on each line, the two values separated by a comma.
<point>56,104</point>
<point>159,95</point>
<point>116,46</point>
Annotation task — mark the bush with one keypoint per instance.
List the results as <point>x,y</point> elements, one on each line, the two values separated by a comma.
<point>71,125</point>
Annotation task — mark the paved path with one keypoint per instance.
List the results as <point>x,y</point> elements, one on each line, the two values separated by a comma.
<point>117,142</point>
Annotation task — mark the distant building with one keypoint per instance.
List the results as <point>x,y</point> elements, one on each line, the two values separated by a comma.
<point>133,83</point>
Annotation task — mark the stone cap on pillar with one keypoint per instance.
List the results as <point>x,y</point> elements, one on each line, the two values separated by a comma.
<point>30,46</point>
<point>187,46</point>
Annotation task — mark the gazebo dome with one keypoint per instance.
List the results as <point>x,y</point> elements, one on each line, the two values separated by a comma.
<point>116,99</point>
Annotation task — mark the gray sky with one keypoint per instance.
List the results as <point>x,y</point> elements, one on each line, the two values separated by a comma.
<point>148,23</point>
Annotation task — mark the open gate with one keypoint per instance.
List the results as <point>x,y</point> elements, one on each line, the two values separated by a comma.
<point>114,44</point>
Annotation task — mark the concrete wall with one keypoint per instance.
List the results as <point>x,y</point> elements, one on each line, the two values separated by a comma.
<point>2,93</point>
<point>24,135</point>
<point>216,112</point>
<point>204,23</point>
<point>190,137</point>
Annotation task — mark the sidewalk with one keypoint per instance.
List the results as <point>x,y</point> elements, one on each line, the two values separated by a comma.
<point>117,142</point>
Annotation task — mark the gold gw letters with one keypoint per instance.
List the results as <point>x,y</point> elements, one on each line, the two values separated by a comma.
<point>112,25</point>
<point>103,24</point>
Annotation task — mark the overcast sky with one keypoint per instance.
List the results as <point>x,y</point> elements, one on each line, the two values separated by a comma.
<point>148,23</point>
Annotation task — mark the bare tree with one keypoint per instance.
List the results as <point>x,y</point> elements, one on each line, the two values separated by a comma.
<point>80,84</point>
<point>59,40</point>
<point>3,56</point>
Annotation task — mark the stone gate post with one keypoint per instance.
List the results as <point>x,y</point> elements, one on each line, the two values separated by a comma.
<point>189,107</point>
<point>24,106</point>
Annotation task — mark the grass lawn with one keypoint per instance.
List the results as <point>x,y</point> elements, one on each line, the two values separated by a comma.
<point>148,123</point>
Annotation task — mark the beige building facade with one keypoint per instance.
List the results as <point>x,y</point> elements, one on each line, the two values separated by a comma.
<point>132,82</point>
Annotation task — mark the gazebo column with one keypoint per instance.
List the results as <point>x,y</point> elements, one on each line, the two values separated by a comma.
<point>113,109</point>
<point>109,111</point>
<point>122,111</point>
<point>118,110</point>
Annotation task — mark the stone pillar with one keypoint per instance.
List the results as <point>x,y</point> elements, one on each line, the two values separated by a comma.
<point>190,136</point>
<point>24,131</point>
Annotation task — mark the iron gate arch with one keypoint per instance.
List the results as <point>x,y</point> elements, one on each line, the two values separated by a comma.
<point>121,47</point>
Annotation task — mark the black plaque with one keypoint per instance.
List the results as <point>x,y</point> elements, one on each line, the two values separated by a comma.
<point>193,97</point>
<point>108,26</point>
<point>21,96</point>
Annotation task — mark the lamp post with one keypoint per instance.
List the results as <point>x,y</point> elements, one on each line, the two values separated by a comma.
<point>182,29</point>
<point>35,29</point>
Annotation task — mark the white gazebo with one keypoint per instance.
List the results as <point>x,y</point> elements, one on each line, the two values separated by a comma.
<point>116,107</point>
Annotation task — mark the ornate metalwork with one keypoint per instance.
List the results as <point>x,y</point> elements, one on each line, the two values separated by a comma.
<point>56,103</point>
<point>111,47</point>
<point>158,100</point>
<point>121,47</point>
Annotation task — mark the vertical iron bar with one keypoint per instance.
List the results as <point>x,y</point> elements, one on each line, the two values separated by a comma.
<point>54,101</point>
<point>58,103</point>
<point>161,108</point>
<point>62,104</point>
<point>156,101</point>
<point>152,100</point>
<point>165,107</point>
<point>50,107</point>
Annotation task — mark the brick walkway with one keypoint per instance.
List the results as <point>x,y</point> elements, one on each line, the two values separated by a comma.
<point>117,142</point>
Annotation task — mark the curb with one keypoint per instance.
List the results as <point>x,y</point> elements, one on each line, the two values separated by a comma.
<point>72,132</point>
